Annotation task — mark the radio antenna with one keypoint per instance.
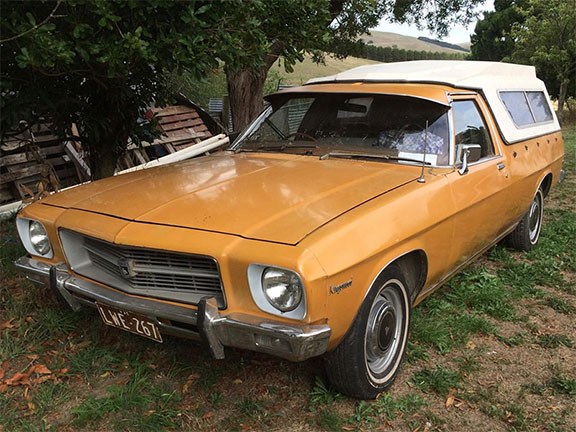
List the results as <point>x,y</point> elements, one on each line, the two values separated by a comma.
<point>421,179</point>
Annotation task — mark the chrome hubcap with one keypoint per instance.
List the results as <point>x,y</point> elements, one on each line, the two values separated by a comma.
<point>534,219</point>
<point>384,329</point>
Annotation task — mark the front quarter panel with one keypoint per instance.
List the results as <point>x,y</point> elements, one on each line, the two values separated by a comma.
<point>354,249</point>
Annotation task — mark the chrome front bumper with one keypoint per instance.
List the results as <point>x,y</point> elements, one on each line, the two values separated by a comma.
<point>292,341</point>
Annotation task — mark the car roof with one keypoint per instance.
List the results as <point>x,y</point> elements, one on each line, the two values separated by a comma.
<point>489,78</point>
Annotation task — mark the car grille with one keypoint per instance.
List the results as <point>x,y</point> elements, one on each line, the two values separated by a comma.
<point>149,272</point>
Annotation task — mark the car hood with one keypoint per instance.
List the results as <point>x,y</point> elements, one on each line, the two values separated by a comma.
<point>273,197</point>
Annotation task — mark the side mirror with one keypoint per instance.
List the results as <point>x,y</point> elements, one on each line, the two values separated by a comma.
<point>466,154</point>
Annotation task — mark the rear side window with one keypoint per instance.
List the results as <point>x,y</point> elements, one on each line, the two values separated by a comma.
<point>540,107</point>
<point>526,108</point>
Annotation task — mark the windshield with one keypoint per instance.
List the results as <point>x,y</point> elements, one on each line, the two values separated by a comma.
<point>394,127</point>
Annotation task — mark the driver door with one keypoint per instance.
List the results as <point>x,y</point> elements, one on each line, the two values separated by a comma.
<point>481,193</point>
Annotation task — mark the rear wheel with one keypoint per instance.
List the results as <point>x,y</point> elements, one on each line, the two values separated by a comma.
<point>527,232</point>
<point>368,359</point>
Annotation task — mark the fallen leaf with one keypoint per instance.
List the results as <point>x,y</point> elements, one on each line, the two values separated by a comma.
<point>208,415</point>
<point>7,324</point>
<point>449,401</point>
<point>32,357</point>
<point>39,369</point>
<point>2,373</point>
<point>237,381</point>
<point>3,388</point>
<point>470,345</point>
<point>105,374</point>
<point>44,378</point>
<point>18,379</point>
<point>31,406</point>
<point>189,382</point>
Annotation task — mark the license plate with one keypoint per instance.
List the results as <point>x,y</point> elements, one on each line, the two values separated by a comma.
<point>129,321</point>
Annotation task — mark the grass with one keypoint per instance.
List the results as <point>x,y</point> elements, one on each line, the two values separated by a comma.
<point>560,305</point>
<point>139,402</point>
<point>555,341</point>
<point>438,380</point>
<point>328,419</point>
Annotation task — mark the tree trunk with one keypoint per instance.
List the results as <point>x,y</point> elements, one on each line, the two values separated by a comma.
<point>562,98</point>
<point>246,88</point>
<point>246,95</point>
<point>103,159</point>
<point>108,126</point>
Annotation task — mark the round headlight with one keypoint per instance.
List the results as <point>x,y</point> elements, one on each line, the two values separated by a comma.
<point>39,238</point>
<point>282,288</point>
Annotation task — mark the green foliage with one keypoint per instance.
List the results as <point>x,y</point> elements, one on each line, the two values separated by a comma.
<point>546,38</point>
<point>101,64</point>
<point>492,39</point>
<point>392,54</point>
<point>321,394</point>
<point>537,32</point>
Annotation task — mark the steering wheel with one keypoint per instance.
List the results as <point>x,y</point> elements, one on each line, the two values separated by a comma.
<point>295,134</point>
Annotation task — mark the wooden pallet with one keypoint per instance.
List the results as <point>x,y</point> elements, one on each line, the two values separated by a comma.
<point>32,162</point>
<point>181,126</point>
<point>37,160</point>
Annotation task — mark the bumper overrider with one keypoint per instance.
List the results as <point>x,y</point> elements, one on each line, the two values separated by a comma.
<point>292,341</point>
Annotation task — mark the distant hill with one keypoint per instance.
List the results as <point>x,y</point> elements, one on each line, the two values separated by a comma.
<point>443,44</point>
<point>308,69</point>
<point>388,39</point>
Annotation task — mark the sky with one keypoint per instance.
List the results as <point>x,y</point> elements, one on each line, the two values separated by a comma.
<point>457,34</point>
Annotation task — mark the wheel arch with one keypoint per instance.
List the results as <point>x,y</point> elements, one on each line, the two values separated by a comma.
<point>414,267</point>
<point>546,184</point>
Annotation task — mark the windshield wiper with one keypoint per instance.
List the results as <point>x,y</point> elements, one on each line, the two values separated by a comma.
<point>352,155</point>
<point>279,148</point>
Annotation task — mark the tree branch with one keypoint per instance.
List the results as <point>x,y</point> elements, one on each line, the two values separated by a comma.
<point>37,26</point>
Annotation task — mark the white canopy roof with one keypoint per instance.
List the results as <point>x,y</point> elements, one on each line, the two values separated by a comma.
<point>487,77</point>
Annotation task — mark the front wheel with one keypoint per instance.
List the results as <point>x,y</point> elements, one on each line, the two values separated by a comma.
<point>368,359</point>
<point>527,232</point>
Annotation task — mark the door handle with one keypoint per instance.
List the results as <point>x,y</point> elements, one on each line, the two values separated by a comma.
<point>501,166</point>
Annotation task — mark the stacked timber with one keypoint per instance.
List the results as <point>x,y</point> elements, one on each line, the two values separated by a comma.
<point>180,127</point>
<point>33,163</point>
<point>36,162</point>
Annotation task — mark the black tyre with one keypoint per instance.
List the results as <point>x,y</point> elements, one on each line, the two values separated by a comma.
<point>368,359</point>
<point>527,232</point>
